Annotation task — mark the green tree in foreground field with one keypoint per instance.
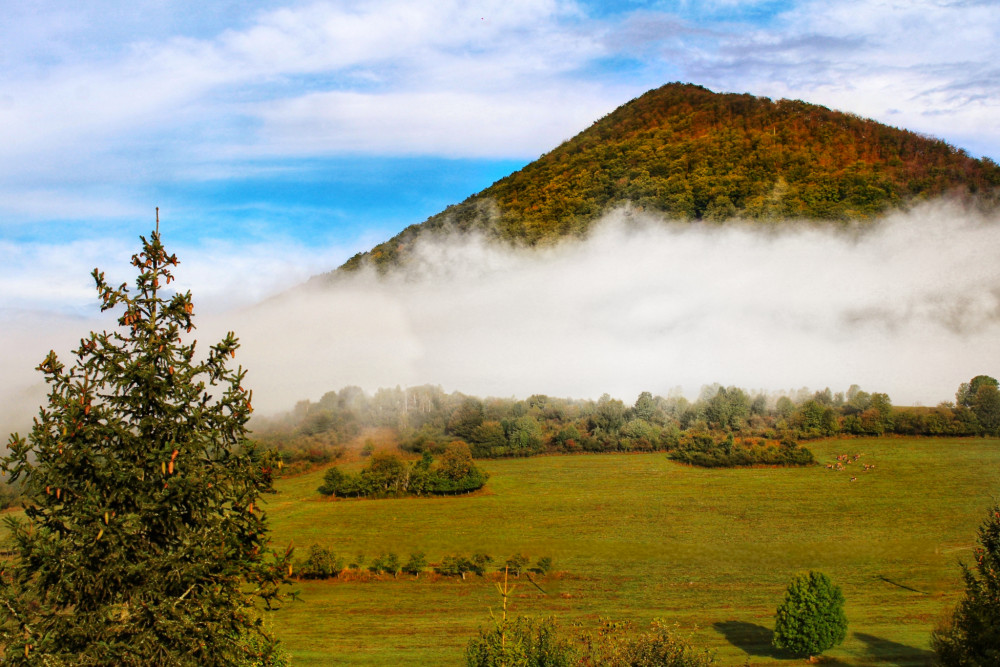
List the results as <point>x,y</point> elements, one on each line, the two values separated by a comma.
<point>144,541</point>
<point>811,619</point>
<point>971,637</point>
<point>520,642</point>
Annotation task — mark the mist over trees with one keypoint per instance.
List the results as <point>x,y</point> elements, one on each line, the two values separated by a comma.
<point>723,426</point>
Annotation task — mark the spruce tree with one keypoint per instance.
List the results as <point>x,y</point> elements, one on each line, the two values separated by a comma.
<point>811,619</point>
<point>144,541</point>
<point>971,637</point>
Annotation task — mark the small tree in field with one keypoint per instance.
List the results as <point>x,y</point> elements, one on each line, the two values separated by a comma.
<point>971,637</point>
<point>144,541</point>
<point>811,619</point>
<point>519,641</point>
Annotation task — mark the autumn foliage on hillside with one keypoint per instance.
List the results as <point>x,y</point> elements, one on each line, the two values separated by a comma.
<point>691,154</point>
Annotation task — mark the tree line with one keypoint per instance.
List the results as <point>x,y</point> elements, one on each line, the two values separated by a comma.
<point>739,426</point>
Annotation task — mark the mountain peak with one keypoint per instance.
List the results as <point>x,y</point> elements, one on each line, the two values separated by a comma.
<point>689,154</point>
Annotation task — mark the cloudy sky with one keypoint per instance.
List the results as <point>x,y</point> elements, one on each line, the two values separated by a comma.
<point>279,138</point>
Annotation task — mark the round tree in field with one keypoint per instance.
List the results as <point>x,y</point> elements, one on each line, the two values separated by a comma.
<point>811,619</point>
<point>971,637</point>
<point>143,540</point>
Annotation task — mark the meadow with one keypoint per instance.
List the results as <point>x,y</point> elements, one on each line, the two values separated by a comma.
<point>637,536</point>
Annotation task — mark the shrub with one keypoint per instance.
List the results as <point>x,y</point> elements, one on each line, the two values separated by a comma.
<point>971,637</point>
<point>259,653</point>
<point>520,641</point>
<point>454,566</point>
<point>811,619</point>
<point>321,563</point>
<point>516,563</point>
<point>335,482</point>
<point>616,644</point>
<point>479,562</point>
<point>388,563</point>
<point>543,565</point>
<point>416,564</point>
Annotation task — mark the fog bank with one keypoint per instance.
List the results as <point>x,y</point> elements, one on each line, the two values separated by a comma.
<point>910,307</point>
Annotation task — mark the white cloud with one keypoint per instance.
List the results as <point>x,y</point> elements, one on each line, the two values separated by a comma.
<point>160,82</point>
<point>503,79</point>
<point>926,66</point>
<point>911,307</point>
<point>453,124</point>
<point>56,203</point>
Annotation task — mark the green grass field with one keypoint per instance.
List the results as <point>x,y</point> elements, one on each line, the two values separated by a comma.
<point>638,537</point>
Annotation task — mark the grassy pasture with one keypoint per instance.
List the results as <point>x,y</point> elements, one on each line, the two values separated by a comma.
<point>639,537</point>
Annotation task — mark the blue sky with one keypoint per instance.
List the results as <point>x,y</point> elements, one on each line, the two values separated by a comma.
<point>280,137</point>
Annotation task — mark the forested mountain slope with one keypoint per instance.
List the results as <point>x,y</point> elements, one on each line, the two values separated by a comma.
<point>693,154</point>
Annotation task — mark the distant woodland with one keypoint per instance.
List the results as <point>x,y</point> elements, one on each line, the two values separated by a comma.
<point>691,154</point>
<point>725,426</point>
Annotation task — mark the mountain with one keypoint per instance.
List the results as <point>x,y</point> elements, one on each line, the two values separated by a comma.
<point>692,154</point>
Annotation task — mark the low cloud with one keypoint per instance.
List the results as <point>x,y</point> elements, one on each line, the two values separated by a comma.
<point>910,306</point>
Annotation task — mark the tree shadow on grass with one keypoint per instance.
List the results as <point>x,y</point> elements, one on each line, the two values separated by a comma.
<point>755,640</point>
<point>887,652</point>
<point>752,638</point>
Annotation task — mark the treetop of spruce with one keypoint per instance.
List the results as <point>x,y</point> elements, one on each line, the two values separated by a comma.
<point>144,540</point>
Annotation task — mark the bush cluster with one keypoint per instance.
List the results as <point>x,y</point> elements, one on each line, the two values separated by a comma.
<point>425,419</point>
<point>322,563</point>
<point>387,474</point>
<point>538,643</point>
<point>479,563</point>
<point>712,451</point>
